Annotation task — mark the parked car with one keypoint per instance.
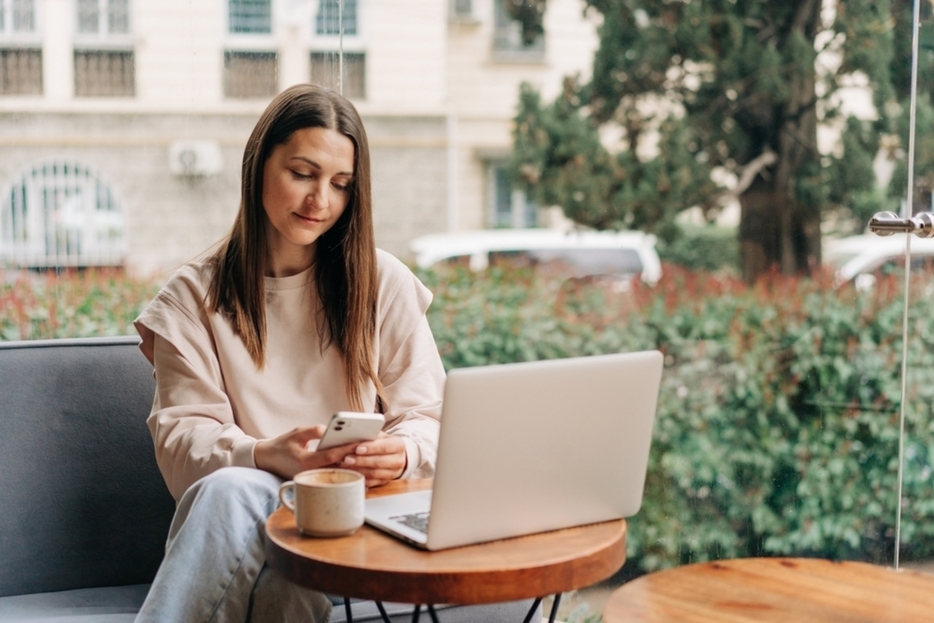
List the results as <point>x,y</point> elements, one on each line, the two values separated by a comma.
<point>861,260</point>
<point>590,254</point>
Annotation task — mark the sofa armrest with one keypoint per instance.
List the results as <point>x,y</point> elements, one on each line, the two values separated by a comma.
<point>82,502</point>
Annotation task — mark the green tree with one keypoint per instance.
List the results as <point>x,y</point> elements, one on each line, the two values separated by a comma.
<point>715,100</point>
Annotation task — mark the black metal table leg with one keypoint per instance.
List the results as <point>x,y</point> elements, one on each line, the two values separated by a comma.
<point>554,608</point>
<point>535,604</point>
<point>382,611</point>
<point>416,613</point>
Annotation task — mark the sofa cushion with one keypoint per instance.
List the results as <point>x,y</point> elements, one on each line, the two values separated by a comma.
<point>82,502</point>
<point>112,604</point>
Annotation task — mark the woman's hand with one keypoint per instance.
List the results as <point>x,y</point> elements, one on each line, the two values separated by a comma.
<point>380,460</point>
<point>288,454</point>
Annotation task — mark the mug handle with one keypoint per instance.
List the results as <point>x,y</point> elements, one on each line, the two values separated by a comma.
<point>289,503</point>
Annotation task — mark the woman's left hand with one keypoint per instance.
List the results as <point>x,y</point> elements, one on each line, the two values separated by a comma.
<point>380,460</point>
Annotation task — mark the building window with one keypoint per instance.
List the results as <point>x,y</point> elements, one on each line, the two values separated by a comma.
<point>250,74</point>
<point>507,37</point>
<point>104,73</point>
<point>20,49</point>
<point>17,16</point>
<point>249,16</point>
<point>508,206</point>
<point>104,17</point>
<point>60,213</point>
<point>20,71</point>
<point>328,18</point>
<point>325,68</point>
<point>104,58</point>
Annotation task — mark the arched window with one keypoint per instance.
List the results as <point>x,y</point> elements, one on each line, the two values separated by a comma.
<point>61,213</point>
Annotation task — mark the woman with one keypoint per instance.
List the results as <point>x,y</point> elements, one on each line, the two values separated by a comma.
<point>295,316</point>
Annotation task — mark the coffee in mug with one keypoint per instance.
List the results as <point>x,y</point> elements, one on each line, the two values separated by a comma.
<point>326,502</point>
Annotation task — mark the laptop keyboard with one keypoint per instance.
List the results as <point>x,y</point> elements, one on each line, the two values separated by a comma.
<point>416,521</point>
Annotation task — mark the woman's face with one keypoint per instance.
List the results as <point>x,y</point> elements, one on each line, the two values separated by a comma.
<point>306,187</point>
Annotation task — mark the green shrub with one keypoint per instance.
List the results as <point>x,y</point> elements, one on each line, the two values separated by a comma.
<point>777,425</point>
<point>70,303</point>
<point>702,248</point>
<point>778,418</point>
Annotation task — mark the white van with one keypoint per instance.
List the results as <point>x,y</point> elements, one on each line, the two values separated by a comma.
<point>860,260</point>
<point>581,254</point>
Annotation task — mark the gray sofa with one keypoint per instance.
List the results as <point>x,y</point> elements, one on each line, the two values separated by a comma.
<point>84,511</point>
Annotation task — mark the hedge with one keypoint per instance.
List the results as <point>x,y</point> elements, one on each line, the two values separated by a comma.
<point>778,417</point>
<point>778,420</point>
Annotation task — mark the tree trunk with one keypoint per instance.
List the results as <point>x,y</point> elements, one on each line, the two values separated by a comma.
<point>776,229</point>
<point>776,232</point>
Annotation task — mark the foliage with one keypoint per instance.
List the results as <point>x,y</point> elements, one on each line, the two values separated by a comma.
<point>695,103</point>
<point>70,304</point>
<point>702,248</point>
<point>778,417</point>
<point>777,424</point>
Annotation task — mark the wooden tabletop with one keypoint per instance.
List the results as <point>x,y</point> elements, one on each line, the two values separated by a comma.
<point>802,590</point>
<point>372,565</point>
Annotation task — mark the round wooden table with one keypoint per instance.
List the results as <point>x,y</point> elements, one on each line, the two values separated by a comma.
<point>758,590</point>
<point>372,565</point>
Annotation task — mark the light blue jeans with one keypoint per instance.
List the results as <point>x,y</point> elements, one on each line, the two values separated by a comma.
<point>214,568</point>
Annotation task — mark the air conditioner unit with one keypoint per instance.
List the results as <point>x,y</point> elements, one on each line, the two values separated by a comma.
<point>195,158</point>
<point>461,11</point>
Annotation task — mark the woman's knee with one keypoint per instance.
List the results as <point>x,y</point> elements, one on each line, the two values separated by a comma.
<point>237,485</point>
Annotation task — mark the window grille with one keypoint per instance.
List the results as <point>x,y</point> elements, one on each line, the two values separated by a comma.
<point>20,71</point>
<point>328,19</point>
<point>249,16</point>
<point>104,73</point>
<point>324,69</point>
<point>250,74</point>
<point>60,213</point>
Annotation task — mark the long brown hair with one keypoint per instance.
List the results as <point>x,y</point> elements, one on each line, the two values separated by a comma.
<point>345,256</point>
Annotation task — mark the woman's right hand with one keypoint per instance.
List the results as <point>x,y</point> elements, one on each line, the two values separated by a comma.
<point>288,454</point>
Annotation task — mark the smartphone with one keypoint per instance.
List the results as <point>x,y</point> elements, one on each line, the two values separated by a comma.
<point>350,427</point>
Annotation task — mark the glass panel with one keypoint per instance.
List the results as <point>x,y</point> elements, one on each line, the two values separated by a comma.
<point>250,16</point>
<point>24,16</point>
<point>327,21</point>
<point>89,16</point>
<point>118,16</point>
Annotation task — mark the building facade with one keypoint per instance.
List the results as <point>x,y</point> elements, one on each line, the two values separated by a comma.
<point>122,122</point>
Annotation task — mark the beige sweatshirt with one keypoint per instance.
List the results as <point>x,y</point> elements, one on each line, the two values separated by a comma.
<point>212,404</point>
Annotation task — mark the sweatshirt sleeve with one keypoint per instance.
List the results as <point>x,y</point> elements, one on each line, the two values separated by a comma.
<point>410,368</point>
<point>191,422</point>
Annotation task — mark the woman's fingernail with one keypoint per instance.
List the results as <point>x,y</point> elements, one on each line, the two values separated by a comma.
<point>361,450</point>
<point>349,460</point>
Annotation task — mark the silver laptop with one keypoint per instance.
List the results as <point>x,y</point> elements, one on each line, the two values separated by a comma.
<point>532,447</point>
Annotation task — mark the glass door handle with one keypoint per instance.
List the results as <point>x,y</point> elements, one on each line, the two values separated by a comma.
<point>888,223</point>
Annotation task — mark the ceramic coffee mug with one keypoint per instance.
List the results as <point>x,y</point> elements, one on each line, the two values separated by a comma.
<point>326,502</point>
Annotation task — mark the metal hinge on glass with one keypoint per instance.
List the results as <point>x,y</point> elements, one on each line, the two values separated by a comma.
<point>888,223</point>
